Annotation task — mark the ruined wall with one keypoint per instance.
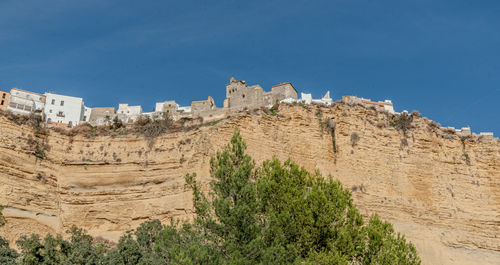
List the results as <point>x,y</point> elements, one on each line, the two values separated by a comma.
<point>240,96</point>
<point>4,100</point>
<point>200,107</point>
<point>248,97</point>
<point>283,91</point>
<point>441,192</point>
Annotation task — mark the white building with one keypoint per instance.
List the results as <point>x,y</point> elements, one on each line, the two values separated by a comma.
<point>326,99</point>
<point>26,102</point>
<point>128,113</point>
<point>62,109</point>
<point>86,113</point>
<point>306,98</point>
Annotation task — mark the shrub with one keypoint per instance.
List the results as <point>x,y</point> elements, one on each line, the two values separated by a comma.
<point>149,128</point>
<point>402,122</point>
<point>354,139</point>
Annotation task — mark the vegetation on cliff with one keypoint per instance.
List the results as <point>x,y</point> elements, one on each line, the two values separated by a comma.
<point>277,213</point>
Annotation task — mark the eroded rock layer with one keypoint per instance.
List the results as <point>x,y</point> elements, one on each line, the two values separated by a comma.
<point>442,192</point>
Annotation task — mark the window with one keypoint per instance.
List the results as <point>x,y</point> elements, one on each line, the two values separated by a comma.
<point>3,96</point>
<point>50,111</point>
<point>243,96</point>
<point>1,103</point>
<point>53,101</point>
<point>62,102</point>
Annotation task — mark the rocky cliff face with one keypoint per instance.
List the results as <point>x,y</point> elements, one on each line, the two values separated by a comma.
<point>440,191</point>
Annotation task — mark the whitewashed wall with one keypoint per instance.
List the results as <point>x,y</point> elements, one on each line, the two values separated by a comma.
<point>70,111</point>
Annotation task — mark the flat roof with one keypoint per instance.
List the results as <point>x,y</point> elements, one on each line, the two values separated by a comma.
<point>18,89</point>
<point>60,95</point>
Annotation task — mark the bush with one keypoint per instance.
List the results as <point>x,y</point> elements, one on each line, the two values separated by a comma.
<point>402,122</point>
<point>354,139</point>
<point>149,128</point>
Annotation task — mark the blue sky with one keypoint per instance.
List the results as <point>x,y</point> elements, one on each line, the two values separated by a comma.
<point>439,57</point>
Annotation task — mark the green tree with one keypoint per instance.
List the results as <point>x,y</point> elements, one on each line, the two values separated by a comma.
<point>30,249</point>
<point>282,214</point>
<point>229,219</point>
<point>8,256</point>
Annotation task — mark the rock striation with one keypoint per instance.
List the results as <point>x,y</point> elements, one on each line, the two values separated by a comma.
<point>440,190</point>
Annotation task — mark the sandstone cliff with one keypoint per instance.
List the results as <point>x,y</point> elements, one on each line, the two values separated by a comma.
<point>440,191</point>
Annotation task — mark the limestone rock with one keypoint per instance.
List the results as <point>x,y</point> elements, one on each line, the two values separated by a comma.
<point>439,190</point>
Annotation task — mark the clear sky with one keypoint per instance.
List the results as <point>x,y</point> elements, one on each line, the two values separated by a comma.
<point>439,57</point>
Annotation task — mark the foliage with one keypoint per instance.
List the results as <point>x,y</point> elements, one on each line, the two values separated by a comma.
<point>8,256</point>
<point>55,250</point>
<point>402,122</point>
<point>319,115</point>
<point>152,128</point>
<point>278,213</point>
<point>281,213</point>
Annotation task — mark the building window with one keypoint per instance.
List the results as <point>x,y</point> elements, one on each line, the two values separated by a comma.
<point>243,96</point>
<point>62,102</point>
<point>1,103</point>
<point>50,111</point>
<point>53,101</point>
<point>3,96</point>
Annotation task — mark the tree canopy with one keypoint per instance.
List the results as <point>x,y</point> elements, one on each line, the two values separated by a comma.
<point>278,213</point>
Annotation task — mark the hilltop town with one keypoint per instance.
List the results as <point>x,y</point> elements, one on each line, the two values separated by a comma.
<point>69,111</point>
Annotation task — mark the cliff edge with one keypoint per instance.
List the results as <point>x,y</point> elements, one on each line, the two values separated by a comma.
<point>440,190</point>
